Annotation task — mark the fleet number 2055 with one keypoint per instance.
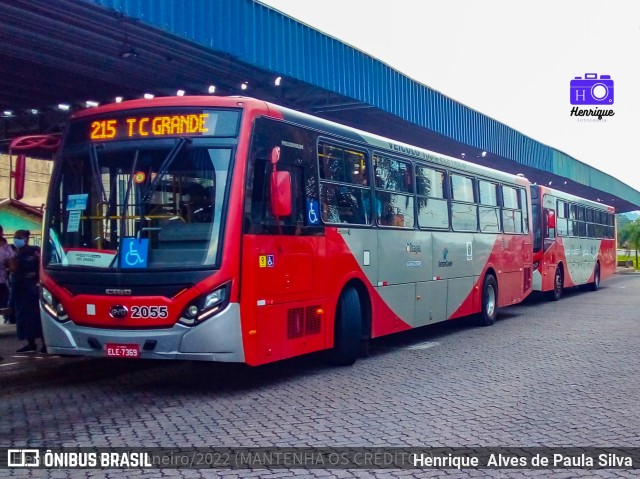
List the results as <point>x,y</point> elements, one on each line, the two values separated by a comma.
<point>149,312</point>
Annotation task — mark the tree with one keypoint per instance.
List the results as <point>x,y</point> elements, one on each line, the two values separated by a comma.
<point>632,233</point>
<point>622,221</point>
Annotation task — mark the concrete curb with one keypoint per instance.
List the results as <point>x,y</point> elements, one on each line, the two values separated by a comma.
<point>627,271</point>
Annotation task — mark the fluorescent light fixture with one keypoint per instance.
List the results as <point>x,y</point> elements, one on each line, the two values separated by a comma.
<point>148,96</point>
<point>119,99</point>
<point>91,104</point>
<point>244,86</point>
<point>127,51</point>
<point>64,106</point>
<point>180,93</point>
<point>278,81</point>
<point>7,113</point>
<point>212,88</point>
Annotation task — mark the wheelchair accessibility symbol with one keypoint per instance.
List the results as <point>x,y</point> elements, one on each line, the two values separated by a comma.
<point>267,261</point>
<point>312,212</point>
<point>134,252</point>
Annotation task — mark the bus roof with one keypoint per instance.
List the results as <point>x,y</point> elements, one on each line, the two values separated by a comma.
<point>576,199</point>
<point>332,128</point>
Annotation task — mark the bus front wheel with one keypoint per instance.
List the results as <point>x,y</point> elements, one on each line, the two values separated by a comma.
<point>347,329</point>
<point>489,311</point>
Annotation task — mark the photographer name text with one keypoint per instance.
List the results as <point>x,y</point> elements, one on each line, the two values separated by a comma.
<point>575,111</point>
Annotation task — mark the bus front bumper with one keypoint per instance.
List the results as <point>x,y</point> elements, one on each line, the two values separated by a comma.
<point>216,339</point>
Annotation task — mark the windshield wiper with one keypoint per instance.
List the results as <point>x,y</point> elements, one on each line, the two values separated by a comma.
<point>93,156</point>
<point>164,167</point>
<point>125,203</point>
<point>162,171</point>
<point>97,176</point>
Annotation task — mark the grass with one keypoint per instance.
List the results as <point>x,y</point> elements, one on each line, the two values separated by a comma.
<point>632,257</point>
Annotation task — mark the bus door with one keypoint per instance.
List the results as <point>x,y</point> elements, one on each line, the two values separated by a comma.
<point>283,252</point>
<point>455,254</point>
<point>516,248</point>
<point>402,251</point>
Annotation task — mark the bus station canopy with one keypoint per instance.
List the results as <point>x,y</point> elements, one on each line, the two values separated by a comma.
<point>70,52</point>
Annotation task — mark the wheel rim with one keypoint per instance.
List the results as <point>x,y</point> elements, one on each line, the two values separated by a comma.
<point>596,280</point>
<point>558,282</point>
<point>490,301</point>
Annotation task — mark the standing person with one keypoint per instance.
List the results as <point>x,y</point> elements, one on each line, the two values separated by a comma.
<point>24,267</point>
<point>6,253</point>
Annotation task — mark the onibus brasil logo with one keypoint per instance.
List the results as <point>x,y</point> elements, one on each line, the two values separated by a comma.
<point>591,90</point>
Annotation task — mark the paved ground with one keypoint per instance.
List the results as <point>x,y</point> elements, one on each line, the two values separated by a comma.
<point>546,374</point>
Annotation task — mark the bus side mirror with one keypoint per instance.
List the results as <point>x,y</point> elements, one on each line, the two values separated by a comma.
<point>40,143</point>
<point>19,176</point>
<point>280,193</point>
<point>280,187</point>
<point>551,219</point>
<point>275,155</point>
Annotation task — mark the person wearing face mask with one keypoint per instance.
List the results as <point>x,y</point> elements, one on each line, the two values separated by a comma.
<point>24,267</point>
<point>6,253</point>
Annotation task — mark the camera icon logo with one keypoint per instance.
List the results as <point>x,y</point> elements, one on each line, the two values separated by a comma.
<point>23,457</point>
<point>592,90</point>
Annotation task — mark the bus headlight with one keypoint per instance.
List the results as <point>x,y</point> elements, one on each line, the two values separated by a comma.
<point>205,306</point>
<point>47,296</point>
<point>214,298</point>
<point>53,306</point>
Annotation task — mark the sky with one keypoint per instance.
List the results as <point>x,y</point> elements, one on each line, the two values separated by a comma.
<point>510,60</point>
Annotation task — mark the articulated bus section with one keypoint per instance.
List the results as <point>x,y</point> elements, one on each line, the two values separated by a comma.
<point>574,241</point>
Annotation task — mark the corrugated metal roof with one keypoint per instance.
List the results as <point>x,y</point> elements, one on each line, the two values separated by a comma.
<point>255,34</point>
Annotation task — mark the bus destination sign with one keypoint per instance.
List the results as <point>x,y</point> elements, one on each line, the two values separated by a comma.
<point>152,126</point>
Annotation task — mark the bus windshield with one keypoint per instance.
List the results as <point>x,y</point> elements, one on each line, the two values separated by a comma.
<point>144,204</point>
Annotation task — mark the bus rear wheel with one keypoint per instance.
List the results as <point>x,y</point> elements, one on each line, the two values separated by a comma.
<point>595,286</point>
<point>558,284</point>
<point>347,330</point>
<point>489,311</point>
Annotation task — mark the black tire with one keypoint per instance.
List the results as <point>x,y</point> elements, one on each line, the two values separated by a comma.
<point>348,329</point>
<point>489,312</point>
<point>558,284</point>
<point>595,286</point>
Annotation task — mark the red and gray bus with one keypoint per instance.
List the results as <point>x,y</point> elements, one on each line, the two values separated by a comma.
<point>230,229</point>
<point>574,241</point>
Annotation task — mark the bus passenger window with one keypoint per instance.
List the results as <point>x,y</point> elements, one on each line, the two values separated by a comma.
<point>394,195</point>
<point>344,204</point>
<point>433,210</point>
<point>345,193</point>
<point>464,211</point>
<point>511,210</point>
<point>562,223</point>
<point>489,212</point>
